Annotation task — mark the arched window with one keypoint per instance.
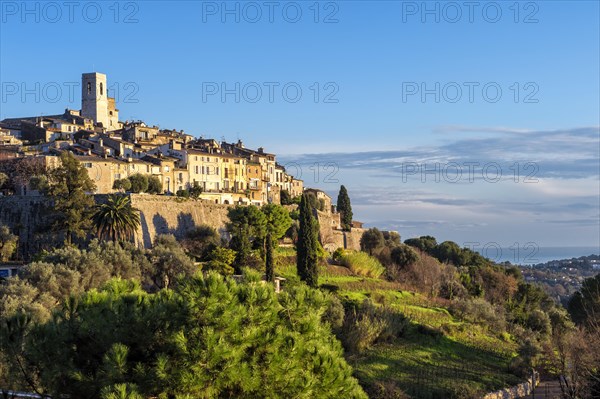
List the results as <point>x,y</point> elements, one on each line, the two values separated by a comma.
<point>89,87</point>
<point>101,89</point>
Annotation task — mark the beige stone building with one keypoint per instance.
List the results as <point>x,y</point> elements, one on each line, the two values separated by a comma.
<point>110,150</point>
<point>256,185</point>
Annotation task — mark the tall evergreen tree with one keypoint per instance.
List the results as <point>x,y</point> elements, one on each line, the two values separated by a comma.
<point>248,226</point>
<point>278,222</point>
<point>344,208</point>
<point>307,247</point>
<point>69,187</point>
<point>269,264</point>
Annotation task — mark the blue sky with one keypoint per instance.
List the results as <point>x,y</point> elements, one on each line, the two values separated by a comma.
<point>361,68</point>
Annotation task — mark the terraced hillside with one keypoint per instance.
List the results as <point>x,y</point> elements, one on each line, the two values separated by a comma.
<point>438,355</point>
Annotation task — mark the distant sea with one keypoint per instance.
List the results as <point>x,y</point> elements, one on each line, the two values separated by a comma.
<point>533,255</point>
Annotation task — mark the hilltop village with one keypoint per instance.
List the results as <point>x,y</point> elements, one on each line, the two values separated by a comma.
<point>174,164</point>
<point>112,150</point>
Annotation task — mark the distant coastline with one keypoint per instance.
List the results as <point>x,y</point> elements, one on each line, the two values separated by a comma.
<point>535,255</point>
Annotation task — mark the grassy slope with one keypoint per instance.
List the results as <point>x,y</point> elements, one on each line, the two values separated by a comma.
<point>439,354</point>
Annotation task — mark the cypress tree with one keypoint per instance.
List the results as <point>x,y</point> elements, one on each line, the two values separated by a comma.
<point>269,258</point>
<point>307,255</point>
<point>345,209</point>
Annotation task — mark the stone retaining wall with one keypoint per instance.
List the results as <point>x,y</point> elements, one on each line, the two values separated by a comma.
<point>159,215</point>
<point>518,391</point>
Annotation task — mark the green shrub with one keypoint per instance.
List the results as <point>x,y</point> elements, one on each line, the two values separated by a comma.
<point>183,193</point>
<point>478,310</point>
<point>540,322</point>
<point>430,331</point>
<point>360,263</point>
<point>195,190</point>
<point>386,390</point>
<point>403,256</point>
<point>334,313</point>
<point>122,184</point>
<point>221,260</point>
<point>154,185</point>
<point>462,390</point>
<point>367,324</point>
<point>338,254</point>
<point>330,287</point>
<point>139,183</point>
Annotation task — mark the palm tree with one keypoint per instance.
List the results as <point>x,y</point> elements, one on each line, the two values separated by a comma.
<point>116,220</point>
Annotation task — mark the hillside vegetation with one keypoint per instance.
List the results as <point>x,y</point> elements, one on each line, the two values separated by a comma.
<point>443,350</point>
<point>101,318</point>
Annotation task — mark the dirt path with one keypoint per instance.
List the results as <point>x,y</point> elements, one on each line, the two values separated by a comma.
<point>546,390</point>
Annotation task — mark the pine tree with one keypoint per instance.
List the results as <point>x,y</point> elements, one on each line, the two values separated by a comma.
<point>307,247</point>
<point>69,187</point>
<point>345,209</point>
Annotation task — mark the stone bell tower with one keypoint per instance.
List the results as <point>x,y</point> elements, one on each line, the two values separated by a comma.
<point>94,98</point>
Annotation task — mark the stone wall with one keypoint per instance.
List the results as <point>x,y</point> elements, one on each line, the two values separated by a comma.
<point>172,215</point>
<point>24,215</point>
<point>518,391</point>
<point>159,215</point>
<point>332,238</point>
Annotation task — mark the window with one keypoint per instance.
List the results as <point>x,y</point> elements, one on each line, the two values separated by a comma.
<point>117,176</point>
<point>101,89</point>
<point>89,88</point>
<point>197,169</point>
<point>167,169</point>
<point>87,164</point>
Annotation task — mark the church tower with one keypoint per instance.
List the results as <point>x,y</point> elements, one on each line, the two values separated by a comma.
<point>94,98</point>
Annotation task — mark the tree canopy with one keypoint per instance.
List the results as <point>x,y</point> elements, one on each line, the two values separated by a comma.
<point>208,338</point>
<point>371,240</point>
<point>8,243</point>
